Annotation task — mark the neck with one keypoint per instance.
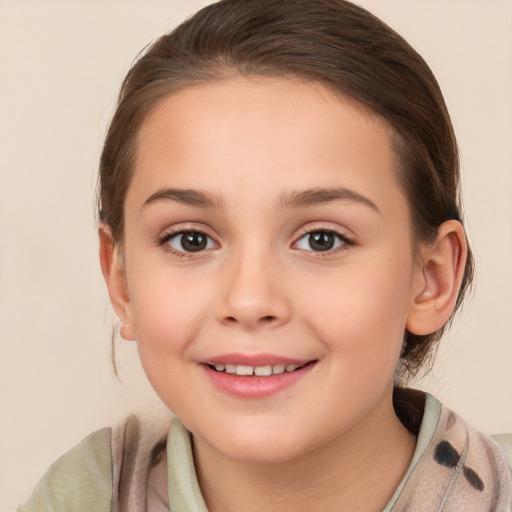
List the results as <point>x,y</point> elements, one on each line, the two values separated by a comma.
<point>357,471</point>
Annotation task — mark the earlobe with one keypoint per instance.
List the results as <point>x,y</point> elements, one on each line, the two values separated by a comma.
<point>441,276</point>
<point>115,279</point>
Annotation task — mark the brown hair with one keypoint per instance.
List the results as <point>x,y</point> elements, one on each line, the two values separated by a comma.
<point>333,42</point>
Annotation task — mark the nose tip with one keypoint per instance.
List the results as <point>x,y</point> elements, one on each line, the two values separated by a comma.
<point>253,298</point>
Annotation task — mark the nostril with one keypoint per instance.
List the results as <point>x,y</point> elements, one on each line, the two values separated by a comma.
<point>264,319</point>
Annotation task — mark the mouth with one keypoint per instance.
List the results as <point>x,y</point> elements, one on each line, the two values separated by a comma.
<point>256,377</point>
<point>257,371</point>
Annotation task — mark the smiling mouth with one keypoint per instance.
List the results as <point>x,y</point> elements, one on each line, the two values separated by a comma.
<point>257,371</point>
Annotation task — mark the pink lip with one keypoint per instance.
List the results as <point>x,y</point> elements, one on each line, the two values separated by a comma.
<point>254,387</point>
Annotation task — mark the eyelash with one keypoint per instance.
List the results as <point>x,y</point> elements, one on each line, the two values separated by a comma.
<point>167,237</point>
<point>344,242</point>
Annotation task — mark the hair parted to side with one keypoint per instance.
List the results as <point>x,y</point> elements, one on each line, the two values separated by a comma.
<point>332,42</point>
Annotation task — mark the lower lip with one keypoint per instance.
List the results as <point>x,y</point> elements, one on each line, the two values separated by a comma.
<point>253,386</point>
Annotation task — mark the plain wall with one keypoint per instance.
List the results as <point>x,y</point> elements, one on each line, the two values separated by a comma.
<point>61,64</point>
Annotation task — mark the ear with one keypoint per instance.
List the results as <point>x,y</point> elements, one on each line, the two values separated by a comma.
<point>115,278</point>
<point>439,279</point>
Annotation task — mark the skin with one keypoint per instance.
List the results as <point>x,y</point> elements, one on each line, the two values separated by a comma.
<point>250,145</point>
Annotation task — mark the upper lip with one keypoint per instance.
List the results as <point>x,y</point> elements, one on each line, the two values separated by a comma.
<point>255,360</point>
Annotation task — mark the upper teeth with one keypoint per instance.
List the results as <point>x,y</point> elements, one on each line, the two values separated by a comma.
<point>260,371</point>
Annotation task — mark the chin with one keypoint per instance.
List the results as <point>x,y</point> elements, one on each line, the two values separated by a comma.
<point>257,444</point>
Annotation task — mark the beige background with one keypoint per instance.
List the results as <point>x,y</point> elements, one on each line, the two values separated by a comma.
<point>61,62</point>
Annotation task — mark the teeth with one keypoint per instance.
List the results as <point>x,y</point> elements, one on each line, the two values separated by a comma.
<point>278,368</point>
<point>244,370</point>
<point>263,371</point>
<point>259,371</point>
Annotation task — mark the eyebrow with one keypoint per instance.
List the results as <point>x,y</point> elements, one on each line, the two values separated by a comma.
<point>189,197</point>
<point>320,196</point>
<point>294,199</point>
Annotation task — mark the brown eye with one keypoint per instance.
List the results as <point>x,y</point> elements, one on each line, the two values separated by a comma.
<point>321,241</point>
<point>190,241</point>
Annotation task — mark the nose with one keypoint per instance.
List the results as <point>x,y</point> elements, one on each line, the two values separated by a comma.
<point>253,294</point>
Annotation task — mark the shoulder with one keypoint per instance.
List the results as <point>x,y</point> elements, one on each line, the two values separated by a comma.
<point>455,467</point>
<point>505,443</point>
<point>118,468</point>
<point>80,480</point>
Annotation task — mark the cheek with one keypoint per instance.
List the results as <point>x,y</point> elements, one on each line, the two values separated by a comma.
<point>167,315</point>
<point>361,315</point>
<point>167,308</point>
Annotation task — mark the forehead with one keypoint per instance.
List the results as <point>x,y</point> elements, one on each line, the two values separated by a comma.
<point>266,132</point>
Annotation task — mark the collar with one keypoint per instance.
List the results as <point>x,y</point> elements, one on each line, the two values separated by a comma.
<point>453,468</point>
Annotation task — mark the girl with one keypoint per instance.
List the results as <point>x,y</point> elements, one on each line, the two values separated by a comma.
<point>281,234</point>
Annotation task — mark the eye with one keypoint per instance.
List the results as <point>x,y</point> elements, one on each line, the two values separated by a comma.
<point>188,241</point>
<point>321,241</point>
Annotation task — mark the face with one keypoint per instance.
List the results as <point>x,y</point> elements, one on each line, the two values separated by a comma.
<point>269,265</point>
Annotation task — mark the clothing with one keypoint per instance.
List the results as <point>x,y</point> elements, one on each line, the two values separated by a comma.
<point>136,468</point>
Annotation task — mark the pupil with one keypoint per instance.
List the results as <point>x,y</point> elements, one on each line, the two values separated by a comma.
<point>321,241</point>
<point>193,242</point>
